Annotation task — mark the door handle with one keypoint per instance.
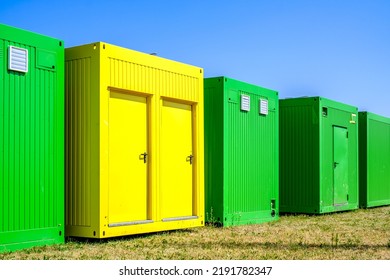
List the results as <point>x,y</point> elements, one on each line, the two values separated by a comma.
<point>143,157</point>
<point>335,164</point>
<point>189,158</point>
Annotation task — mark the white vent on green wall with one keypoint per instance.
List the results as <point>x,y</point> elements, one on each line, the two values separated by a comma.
<point>263,106</point>
<point>17,59</point>
<point>245,102</point>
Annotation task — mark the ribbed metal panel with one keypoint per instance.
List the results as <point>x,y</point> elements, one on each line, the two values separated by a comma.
<point>31,146</point>
<point>128,75</point>
<point>80,135</point>
<point>241,184</point>
<point>379,161</point>
<point>28,152</point>
<point>2,53</point>
<point>214,151</point>
<point>299,142</point>
<point>251,158</point>
<point>374,144</point>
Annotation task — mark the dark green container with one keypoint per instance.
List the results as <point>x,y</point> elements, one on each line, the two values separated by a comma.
<point>374,160</point>
<point>31,139</point>
<point>241,152</point>
<point>318,156</point>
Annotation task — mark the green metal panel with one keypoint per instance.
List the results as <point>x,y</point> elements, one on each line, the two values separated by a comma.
<point>318,156</point>
<point>374,160</point>
<point>299,142</point>
<point>241,152</point>
<point>31,140</point>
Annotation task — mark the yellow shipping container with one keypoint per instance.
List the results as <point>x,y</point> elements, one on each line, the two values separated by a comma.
<point>134,142</point>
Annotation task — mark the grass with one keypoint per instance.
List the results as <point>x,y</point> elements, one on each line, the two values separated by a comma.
<point>361,234</point>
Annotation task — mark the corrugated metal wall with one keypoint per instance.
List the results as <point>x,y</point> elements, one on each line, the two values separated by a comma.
<point>250,164</point>
<point>214,151</point>
<point>128,75</point>
<point>241,153</point>
<point>299,142</point>
<point>379,161</point>
<point>374,143</point>
<point>31,145</point>
<point>82,132</point>
<point>27,149</point>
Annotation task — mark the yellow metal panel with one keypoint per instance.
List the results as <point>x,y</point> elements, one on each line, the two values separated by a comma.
<point>176,158</point>
<point>82,141</point>
<point>128,187</point>
<point>165,77</point>
<point>79,186</point>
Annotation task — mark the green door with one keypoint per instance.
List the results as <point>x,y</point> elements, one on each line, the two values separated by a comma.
<point>340,165</point>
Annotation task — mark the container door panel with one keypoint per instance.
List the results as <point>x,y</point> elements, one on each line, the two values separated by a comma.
<point>340,165</point>
<point>176,160</point>
<point>128,191</point>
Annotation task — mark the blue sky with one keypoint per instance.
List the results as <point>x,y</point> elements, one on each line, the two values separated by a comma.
<point>335,49</point>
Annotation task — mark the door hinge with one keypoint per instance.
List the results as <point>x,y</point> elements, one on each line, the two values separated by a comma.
<point>347,134</point>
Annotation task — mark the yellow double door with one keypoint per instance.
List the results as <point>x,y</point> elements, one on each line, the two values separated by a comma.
<point>130,195</point>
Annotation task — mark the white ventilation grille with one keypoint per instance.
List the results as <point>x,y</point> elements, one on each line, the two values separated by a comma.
<point>263,106</point>
<point>17,59</point>
<point>245,102</point>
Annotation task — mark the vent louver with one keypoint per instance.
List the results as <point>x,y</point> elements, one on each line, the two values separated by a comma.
<point>17,59</point>
<point>245,102</point>
<point>263,106</point>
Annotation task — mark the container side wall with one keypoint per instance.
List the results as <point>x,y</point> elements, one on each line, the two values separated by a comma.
<point>363,159</point>
<point>82,141</point>
<point>377,188</point>
<point>31,143</point>
<point>241,153</point>
<point>299,155</point>
<point>214,145</point>
<point>378,192</point>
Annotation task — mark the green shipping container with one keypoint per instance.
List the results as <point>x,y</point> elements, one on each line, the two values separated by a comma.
<point>241,152</point>
<point>318,156</point>
<point>374,160</point>
<point>31,140</point>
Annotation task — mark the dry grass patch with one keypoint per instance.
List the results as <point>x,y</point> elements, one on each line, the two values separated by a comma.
<point>360,234</point>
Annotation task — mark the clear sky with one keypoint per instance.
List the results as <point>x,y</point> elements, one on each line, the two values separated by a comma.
<point>335,49</point>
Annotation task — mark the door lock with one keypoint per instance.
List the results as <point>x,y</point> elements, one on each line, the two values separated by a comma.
<point>143,157</point>
<point>189,158</point>
<point>335,164</point>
